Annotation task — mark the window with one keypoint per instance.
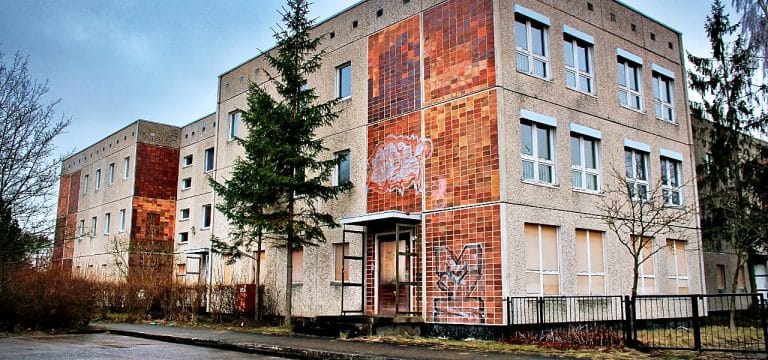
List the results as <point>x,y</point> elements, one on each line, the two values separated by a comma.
<point>184,214</point>
<point>670,181</point>
<point>234,119</point>
<point>720,278</point>
<point>646,276</point>
<point>122,220</point>
<point>107,219</point>
<point>663,87</point>
<point>111,174</point>
<point>531,44</point>
<point>340,250</point>
<point>740,283</point>
<point>206,216</point>
<point>678,265</point>
<point>541,255</point>
<point>186,161</point>
<point>344,81</point>
<point>584,163</point>
<point>342,175</point>
<point>85,184</point>
<point>126,166</point>
<point>579,74</point>
<point>81,229</point>
<point>590,264</point>
<point>636,162</point>
<point>186,183</point>
<point>208,159</point>
<point>183,237</point>
<point>93,226</point>
<point>630,80</point>
<point>297,256</point>
<point>97,179</point>
<point>537,152</point>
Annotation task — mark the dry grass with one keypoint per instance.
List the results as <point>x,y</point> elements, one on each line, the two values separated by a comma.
<point>711,337</point>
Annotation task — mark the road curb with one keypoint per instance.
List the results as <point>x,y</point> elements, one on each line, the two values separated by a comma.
<point>253,348</point>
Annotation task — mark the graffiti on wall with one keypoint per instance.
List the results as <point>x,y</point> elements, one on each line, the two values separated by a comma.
<point>396,163</point>
<point>458,278</point>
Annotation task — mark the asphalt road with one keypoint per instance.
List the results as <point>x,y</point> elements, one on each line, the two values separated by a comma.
<point>106,346</point>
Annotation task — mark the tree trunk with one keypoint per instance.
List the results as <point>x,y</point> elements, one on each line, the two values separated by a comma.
<point>257,282</point>
<point>289,265</point>
<point>734,288</point>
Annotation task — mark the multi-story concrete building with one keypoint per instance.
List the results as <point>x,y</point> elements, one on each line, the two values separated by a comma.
<point>479,135</point>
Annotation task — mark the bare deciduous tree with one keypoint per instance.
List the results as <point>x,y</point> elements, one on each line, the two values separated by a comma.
<point>28,165</point>
<point>637,217</point>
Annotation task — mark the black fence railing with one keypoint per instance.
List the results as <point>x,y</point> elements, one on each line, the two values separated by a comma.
<point>722,322</point>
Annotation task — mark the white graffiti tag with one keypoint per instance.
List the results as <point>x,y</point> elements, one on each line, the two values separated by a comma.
<point>396,164</point>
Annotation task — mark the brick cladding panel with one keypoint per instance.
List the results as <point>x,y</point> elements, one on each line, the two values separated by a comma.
<point>152,229</point>
<point>66,218</point>
<point>392,146</point>
<point>394,84</point>
<point>463,269</point>
<point>458,49</point>
<point>157,171</point>
<point>464,166</point>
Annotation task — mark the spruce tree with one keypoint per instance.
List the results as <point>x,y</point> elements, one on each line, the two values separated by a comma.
<point>734,215</point>
<point>275,192</point>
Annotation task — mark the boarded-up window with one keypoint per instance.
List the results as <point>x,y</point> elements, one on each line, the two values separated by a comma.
<point>339,251</point>
<point>590,264</point>
<point>181,270</point>
<point>677,264</point>
<point>297,255</point>
<point>720,278</point>
<point>541,254</point>
<point>647,275</point>
<point>389,258</point>
<point>740,283</point>
<point>263,264</point>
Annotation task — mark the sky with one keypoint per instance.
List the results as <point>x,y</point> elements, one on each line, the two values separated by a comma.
<point>111,62</point>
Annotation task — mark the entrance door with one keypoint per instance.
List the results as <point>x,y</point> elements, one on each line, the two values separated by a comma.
<point>394,270</point>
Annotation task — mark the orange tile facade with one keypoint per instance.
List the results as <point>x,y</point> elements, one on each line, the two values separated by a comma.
<point>458,49</point>
<point>444,156</point>
<point>157,171</point>
<point>66,219</point>
<point>152,234</point>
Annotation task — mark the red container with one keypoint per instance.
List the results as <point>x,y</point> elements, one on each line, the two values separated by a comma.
<point>246,298</point>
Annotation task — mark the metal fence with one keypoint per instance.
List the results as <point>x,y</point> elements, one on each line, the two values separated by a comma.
<point>721,322</point>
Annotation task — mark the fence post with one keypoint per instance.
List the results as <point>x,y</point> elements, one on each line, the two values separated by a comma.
<point>695,322</point>
<point>763,310</point>
<point>628,338</point>
<point>540,308</point>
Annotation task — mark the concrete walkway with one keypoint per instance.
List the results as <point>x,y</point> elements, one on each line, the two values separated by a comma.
<point>301,347</point>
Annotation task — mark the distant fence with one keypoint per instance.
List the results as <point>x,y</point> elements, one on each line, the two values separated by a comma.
<point>722,322</point>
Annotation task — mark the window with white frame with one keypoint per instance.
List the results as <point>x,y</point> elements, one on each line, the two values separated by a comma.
<point>186,161</point>
<point>590,264</point>
<point>184,214</point>
<point>234,119</point>
<point>81,228</point>
<point>630,80</point>
<point>678,265</point>
<point>636,162</point>
<point>85,184</point>
<point>670,181</point>
<point>577,50</point>
<point>206,223</point>
<point>209,159</point>
<point>183,237</point>
<point>111,174</point>
<point>531,43</point>
<point>585,161</point>
<point>97,179</point>
<point>341,172</point>
<point>344,81</point>
<point>537,147</point>
<point>186,183</point>
<point>122,220</point>
<point>107,220</point>
<point>662,97</point>
<point>541,259</point>
<point>93,226</point>
<point>646,273</point>
<point>126,167</point>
